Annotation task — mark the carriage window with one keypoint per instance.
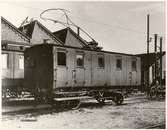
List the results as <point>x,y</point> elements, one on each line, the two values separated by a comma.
<point>61,58</point>
<point>80,60</point>
<point>4,61</point>
<point>119,64</point>
<point>134,65</point>
<point>101,61</point>
<point>21,61</point>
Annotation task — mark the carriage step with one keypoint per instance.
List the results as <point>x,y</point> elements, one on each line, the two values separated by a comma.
<point>20,99</point>
<point>73,98</point>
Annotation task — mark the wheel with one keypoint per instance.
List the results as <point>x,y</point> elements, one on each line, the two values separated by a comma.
<point>153,93</point>
<point>75,104</point>
<point>59,104</point>
<point>63,105</point>
<point>160,92</point>
<point>100,100</point>
<point>100,97</point>
<point>118,99</point>
<point>50,101</point>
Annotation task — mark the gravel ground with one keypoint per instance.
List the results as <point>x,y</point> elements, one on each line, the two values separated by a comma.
<point>134,113</point>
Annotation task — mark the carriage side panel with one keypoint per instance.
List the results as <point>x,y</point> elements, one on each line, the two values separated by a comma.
<point>108,70</point>
<point>98,72</point>
<point>88,68</point>
<point>115,71</point>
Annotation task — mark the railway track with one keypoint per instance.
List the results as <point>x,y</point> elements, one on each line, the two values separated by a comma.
<point>156,126</point>
<point>92,106</point>
<point>87,104</point>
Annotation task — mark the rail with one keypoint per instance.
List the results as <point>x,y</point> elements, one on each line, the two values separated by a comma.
<point>156,126</point>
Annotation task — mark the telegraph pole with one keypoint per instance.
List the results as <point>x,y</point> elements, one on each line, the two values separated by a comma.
<point>155,49</point>
<point>148,40</point>
<point>161,61</point>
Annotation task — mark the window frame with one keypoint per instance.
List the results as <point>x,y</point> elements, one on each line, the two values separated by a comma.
<point>134,60</point>
<point>62,51</point>
<point>7,60</point>
<point>83,57</point>
<point>103,57</point>
<point>119,68</point>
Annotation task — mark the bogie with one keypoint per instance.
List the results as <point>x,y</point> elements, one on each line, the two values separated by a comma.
<point>116,97</point>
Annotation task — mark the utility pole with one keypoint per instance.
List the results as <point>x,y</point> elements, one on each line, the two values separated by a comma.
<point>155,49</point>
<point>161,61</point>
<point>148,40</point>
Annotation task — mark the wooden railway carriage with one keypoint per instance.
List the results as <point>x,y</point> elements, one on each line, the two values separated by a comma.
<point>70,73</point>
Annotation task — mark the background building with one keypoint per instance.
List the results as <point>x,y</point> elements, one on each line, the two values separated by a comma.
<point>14,41</point>
<point>152,57</point>
<point>13,44</point>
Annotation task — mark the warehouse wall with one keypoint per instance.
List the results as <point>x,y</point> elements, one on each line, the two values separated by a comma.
<point>10,34</point>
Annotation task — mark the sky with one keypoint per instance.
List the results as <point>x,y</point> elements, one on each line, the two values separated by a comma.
<point>116,26</point>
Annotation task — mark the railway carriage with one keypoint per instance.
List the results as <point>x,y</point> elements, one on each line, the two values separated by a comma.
<point>65,73</point>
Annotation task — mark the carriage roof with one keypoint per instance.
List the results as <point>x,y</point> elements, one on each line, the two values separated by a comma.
<point>84,49</point>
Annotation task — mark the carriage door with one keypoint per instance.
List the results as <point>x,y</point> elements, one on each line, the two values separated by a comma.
<point>80,70</point>
<point>60,72</point>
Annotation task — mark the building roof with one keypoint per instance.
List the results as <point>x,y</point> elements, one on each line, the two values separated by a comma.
<point>30,28</point>
<point>152,53</point>
<point>86,49</point>
<point>144,58</point>
<point>15,28</point>
<point>62,34</point>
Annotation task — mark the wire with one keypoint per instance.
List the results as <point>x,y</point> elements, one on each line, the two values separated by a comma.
<point>68,23</point>
<point>111,26</point>
<point>108,25</point>
<point>55,21</point>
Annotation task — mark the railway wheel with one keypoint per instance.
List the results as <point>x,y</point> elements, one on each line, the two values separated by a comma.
<point>59,104</point>
<point>118,99</point>
<point>160,92</point>
<point>63,105</point>
<point>153,93</point>
<point>75,104</point>
<point>100,97</point>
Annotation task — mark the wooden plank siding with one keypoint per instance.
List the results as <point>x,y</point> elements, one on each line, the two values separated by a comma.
<point>90,74</point>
